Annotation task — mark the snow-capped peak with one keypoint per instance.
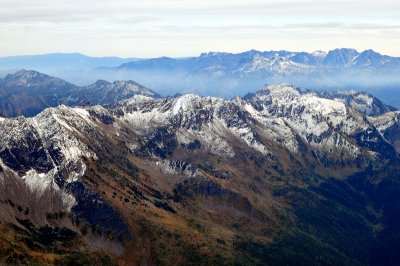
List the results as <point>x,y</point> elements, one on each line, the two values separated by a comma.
<point>184,102</point>
<point>278,87</point>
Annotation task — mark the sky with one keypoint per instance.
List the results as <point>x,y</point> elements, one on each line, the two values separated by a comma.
<point>178,28</point>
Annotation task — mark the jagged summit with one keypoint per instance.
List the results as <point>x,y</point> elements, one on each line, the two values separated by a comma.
<point>361,101</point>
<point>340,57</point>
<point>370,58</point>
<point>278,87</point>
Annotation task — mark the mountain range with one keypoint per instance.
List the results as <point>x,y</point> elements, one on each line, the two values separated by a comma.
<point>59,61</point>
<point>281,176</point>
<point>281,61</point>
<point>29,92</point>
<point>226,74</point>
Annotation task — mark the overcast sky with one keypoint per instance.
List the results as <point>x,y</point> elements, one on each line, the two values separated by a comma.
<point>150,28</point>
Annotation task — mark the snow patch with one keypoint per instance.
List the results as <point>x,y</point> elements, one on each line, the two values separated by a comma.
<point>325,106</point>
<point>41,183</point>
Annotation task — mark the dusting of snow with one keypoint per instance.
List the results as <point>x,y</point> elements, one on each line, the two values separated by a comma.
<point>386,120</point>
<point>55,129</point>
<point>282,89</point>
<point>83,113</point>
<point>275,64</point>
<point>213,137</point>
<point>176,167</point>
<point>249,108</point>
<point>285,114</point>
<point>319,53</point>
<point>325,106</point>
<point>278,114</point>
<point>40,183</point>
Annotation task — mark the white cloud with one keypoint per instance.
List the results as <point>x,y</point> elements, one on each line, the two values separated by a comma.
<point>188,27</point>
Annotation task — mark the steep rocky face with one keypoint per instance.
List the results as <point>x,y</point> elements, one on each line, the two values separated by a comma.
<point>42,165</point>
<point>389,126</point>
<point>29,92</point>
<point>340,57</point>
<point>193,179</point>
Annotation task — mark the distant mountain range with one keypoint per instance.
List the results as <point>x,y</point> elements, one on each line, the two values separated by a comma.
<point>29,92</point>
<point>227,75</point>
<point>283,61</point>
<point>59,61</point>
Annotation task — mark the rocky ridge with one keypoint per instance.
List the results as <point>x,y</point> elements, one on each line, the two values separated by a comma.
<point>73,167</point>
